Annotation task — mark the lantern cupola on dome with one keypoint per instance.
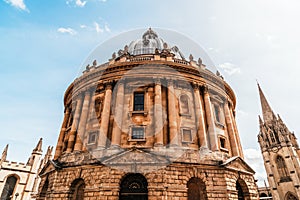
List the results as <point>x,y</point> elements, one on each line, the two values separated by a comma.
<point>150,43</point>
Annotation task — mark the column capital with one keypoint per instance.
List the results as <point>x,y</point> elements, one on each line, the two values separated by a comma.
<point>205,89</point>
<point>196,85</point>
<point>170,82</point>
<point>108,85</point>
<point>157,81</point>
<point>121,82</point>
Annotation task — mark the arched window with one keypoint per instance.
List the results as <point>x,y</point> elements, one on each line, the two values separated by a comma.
<point>282,169</point>
<point>242,190</point>
<point>184,105</point>
<point>263,195</point>
<point>290,196</point>
<point>9,188</point>
<point>44,190</point>
<point>196,189</point>
<point>134,186</point>
<point>77,189</point>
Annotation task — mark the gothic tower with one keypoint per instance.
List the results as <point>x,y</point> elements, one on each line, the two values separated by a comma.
<point>280,153</point>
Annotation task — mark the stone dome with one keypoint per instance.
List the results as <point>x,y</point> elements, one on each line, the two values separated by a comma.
<point>149,43</point>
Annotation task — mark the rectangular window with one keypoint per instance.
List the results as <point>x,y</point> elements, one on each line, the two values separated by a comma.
<point>222,143</point>
<point>186,135</point>
<point>138,133</point>
<point>217,113</point>
<point>92,137</point>
<point>138,102</point>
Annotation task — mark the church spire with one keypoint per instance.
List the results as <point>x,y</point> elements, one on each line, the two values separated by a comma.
<point>38,147</point>
<point>4,153</point>
<point>267,111</point>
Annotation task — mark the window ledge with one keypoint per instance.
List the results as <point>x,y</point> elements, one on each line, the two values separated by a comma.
<point>220,125</point>
<point>224,149</point>
<point>141,112</point>
<point>137,140</point>
<point>185,115</point>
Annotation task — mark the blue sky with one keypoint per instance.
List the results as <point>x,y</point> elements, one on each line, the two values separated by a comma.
<point>44,43</point>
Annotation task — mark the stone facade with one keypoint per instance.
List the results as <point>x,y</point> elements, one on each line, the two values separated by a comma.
<point>20,180</point>
<point>280,152</point>
<point>148,125</point>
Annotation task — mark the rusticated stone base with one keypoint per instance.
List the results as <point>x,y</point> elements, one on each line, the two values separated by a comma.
<point>170,182</point>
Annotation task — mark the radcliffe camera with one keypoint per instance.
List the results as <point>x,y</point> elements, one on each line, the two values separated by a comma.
<point>149,115</point>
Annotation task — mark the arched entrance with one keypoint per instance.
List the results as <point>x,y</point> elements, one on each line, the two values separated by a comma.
<point>242,190</point>
<point>9,188</point>
<point>77,190</point>
<point>290,196</point>
<point>134,187</point>
<point>196,189</point>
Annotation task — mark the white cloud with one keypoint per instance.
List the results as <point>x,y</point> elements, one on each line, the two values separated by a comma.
<point>80,3</point>
<point>66,30</point>
<point>83,26</point>
<point>19,4</point>
<point>97,28</point>
<point>230,68</point>
<point>107,29</point>
<point>242,113</point>
<point>254,158</point>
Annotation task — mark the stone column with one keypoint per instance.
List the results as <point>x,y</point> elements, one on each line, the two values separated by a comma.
<point>73,131</point>
<point>172,113</point>
<point>60,142</point>
<point>213,139</point>
<point>159,138</point>
<point>236,133</point>
<point>83,120</point>
<point>200,122</point>
<point>118,116</point>
<point>231,133</point>
<point>102,138</point>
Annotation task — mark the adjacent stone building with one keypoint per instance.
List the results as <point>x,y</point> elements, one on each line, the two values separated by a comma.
<point>20,180</point>
<point>148,124</point>
<point>280,152</point>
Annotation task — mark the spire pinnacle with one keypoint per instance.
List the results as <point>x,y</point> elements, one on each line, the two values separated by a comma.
<point>260,120</point>
<point>39,146</point>
<point>4,153</point>
<point>267,112</point>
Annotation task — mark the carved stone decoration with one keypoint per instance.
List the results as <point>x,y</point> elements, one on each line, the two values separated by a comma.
<point>126,49</point>
<point>191,57</point>
<point>113,56</point>
<point>120,52</point>
<point>165,45</point>
<point>199,61</point>
<point>94,63</point>
<point>87,68</point>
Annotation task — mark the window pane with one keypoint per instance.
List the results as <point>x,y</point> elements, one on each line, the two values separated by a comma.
<point>138,102</point>
<point>217,113</point>
<point>92,137</point>
<point>137,133</point>
<point>187,135</point>
<point>184,104</point>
